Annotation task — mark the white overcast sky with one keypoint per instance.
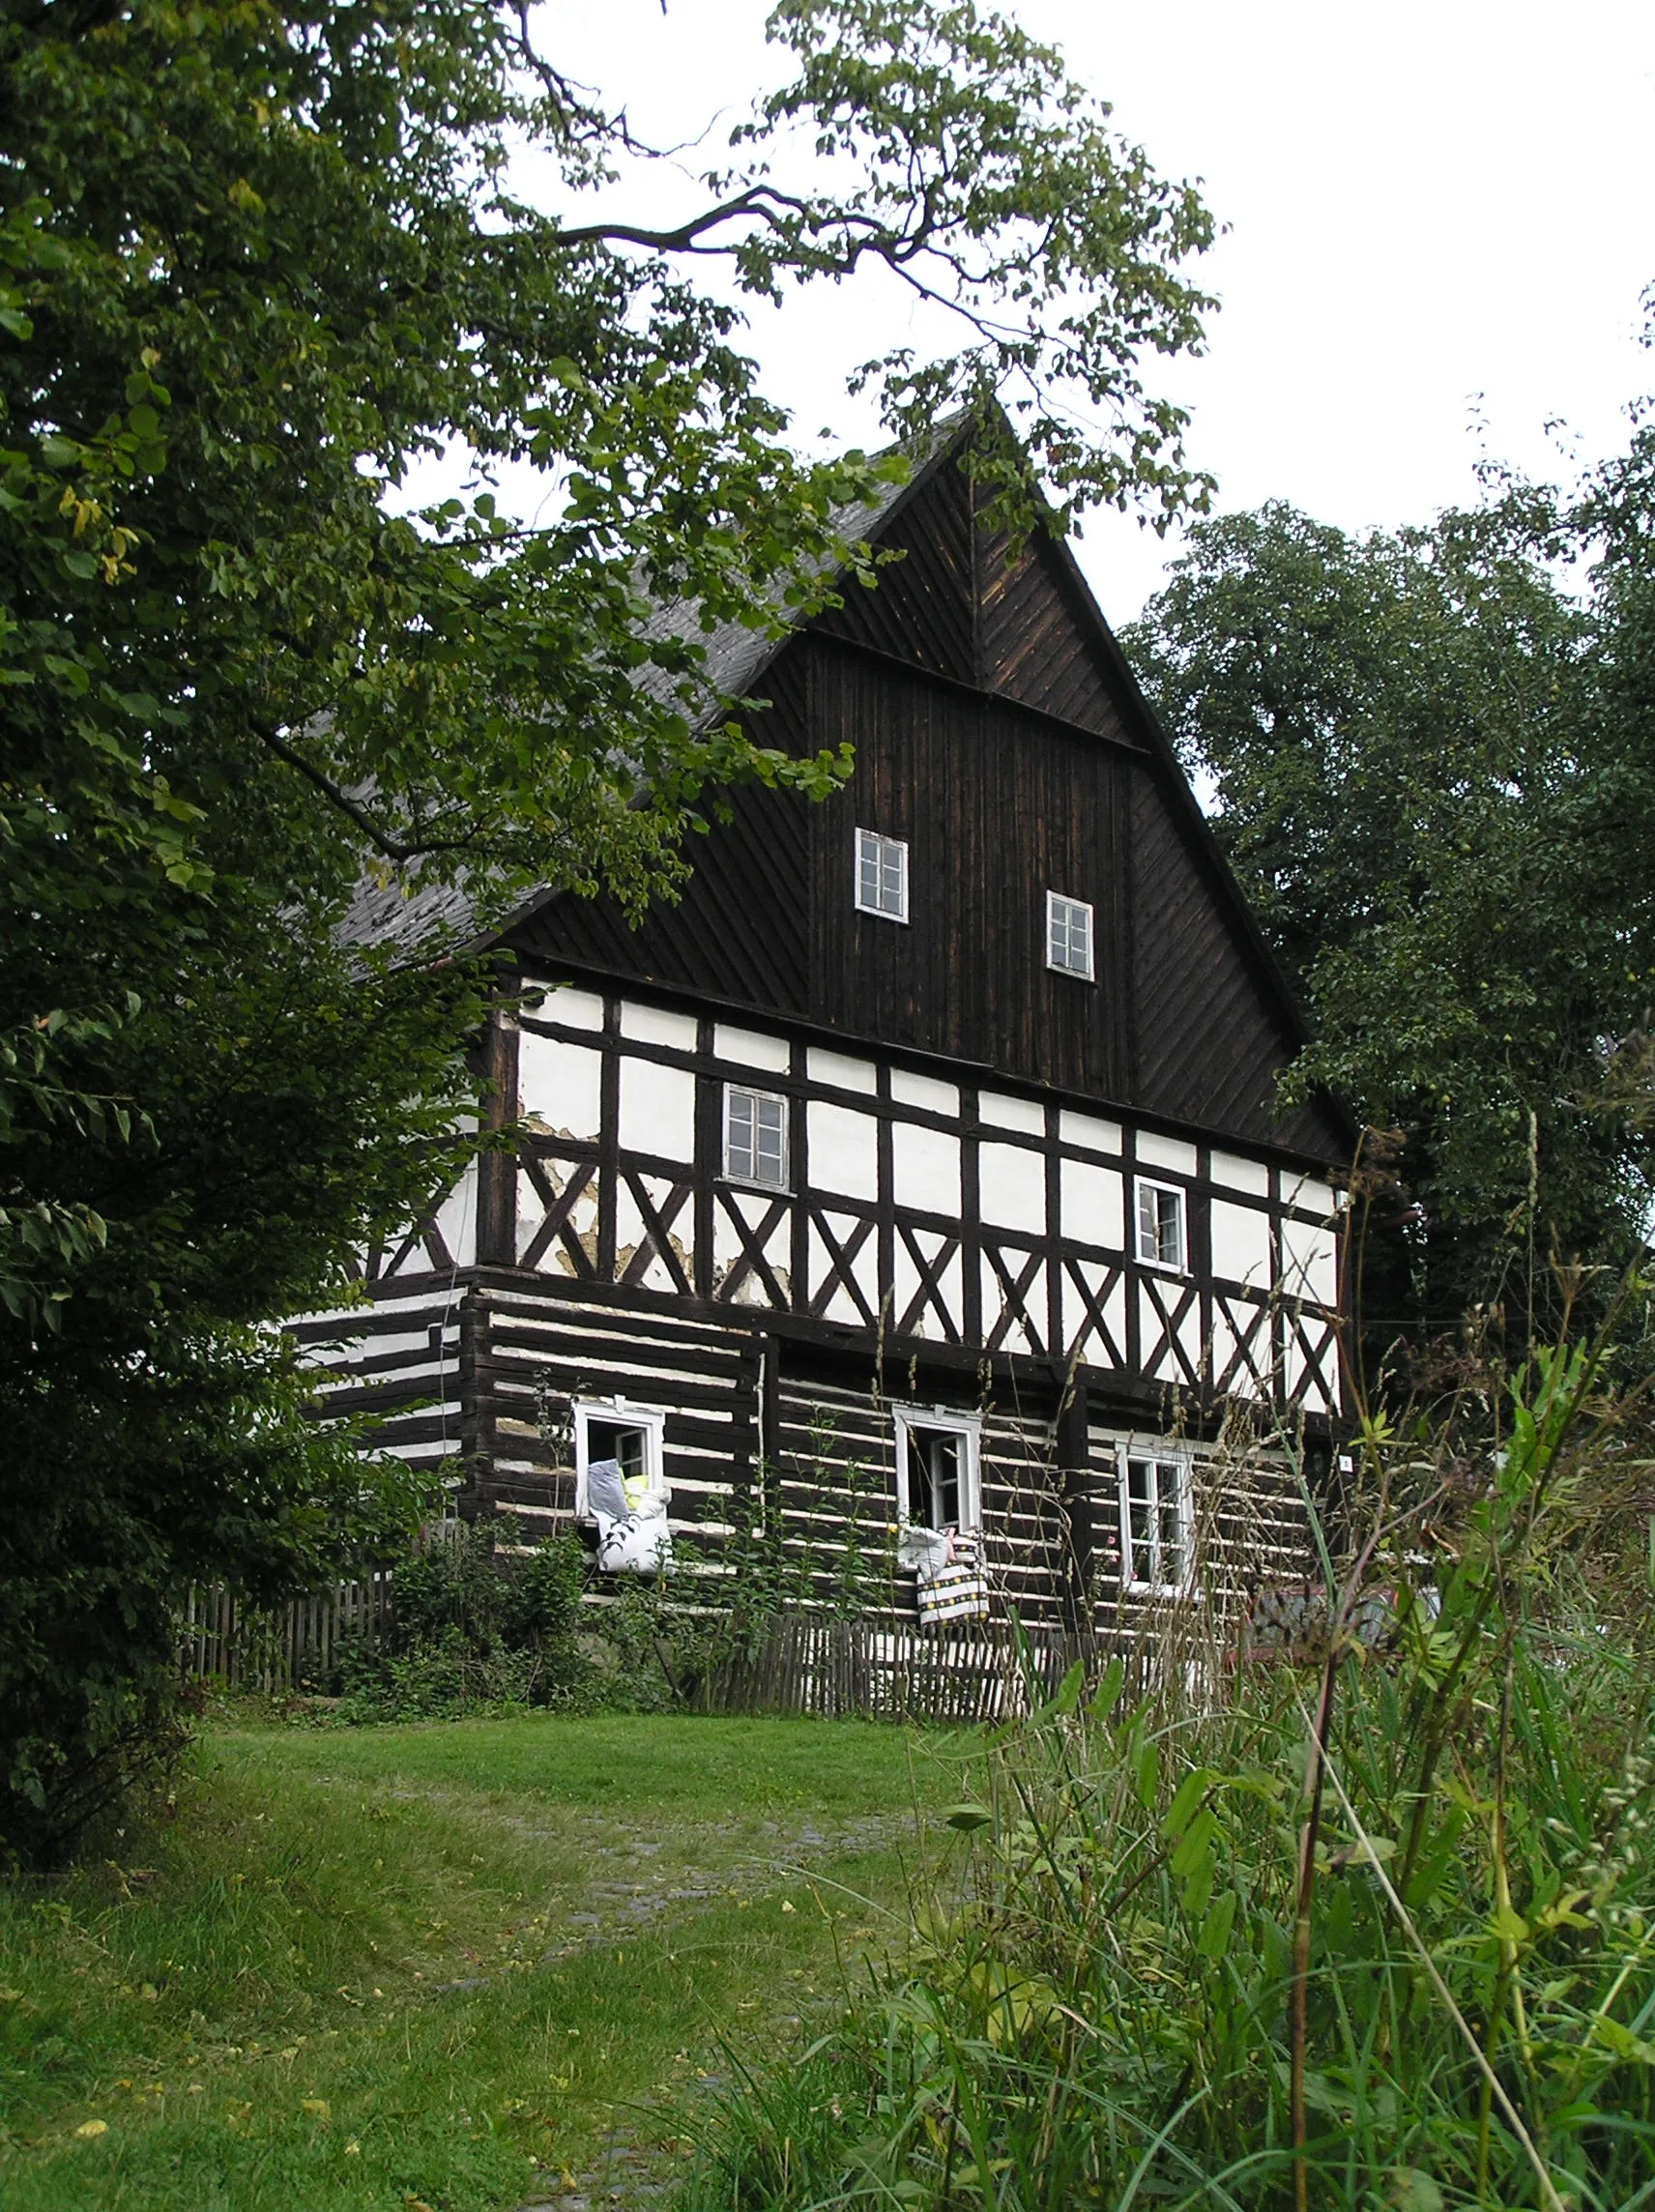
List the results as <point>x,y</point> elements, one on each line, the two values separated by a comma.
<point>1435,213</point>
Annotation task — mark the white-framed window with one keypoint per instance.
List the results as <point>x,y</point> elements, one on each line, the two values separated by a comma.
<point>633,1437</point>
<point>1162,1226</point>
<point>1069,936</point>
<point>938,1480</point>
<point>881,875</point>
<point>755,1136</point>
<point>1154,1489</point>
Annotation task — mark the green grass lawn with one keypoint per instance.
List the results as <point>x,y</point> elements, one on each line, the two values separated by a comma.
<point>437,1966</point>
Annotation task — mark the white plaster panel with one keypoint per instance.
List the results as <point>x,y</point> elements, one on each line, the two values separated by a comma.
<point>923,1091</point>
<point>925,1169</point>
<point>863,1268</point>
<point>1094,1204</point>
<point>457,1217</point>
<point>1170,1152</point>
<point>560,1087</point>
<point>949,1287</point>
<point>574,1009</point>
<point>840,1071</point>
<point>1226,1342</point>
<point>1017,1337</point>
<point>657,1109</point>
<point>1236,1174</point>
<point>728,1251</point>
<point>1087,1134</point>
<point>843,1148</point>
<point>748,1048</point>
<point>1011,1187</point>
<point>1096,1348</point>
<point>1312,1194</point>
<point>1240,1245</point>
<point>840,1306</point>
<point>657,1025</point>
<point>631,1231</point>
<point>1310,1262</point>
<point>1025,1114</point>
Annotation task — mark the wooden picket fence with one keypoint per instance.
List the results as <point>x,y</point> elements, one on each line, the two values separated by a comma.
<point>287,1648</point>
<point>964,1671</point>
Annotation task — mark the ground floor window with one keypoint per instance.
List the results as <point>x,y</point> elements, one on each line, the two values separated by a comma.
<point>1154,1488</point>
<point>938,1481</point>
<point>630,1437</point>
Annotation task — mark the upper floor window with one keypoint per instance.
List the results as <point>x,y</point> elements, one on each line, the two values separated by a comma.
<point>1154,1522</point>
<point>755,1136</point>
<point>881,875</point>
<point>937,1479</point>
<point>1162,1238</point>
<point>1068,935</point>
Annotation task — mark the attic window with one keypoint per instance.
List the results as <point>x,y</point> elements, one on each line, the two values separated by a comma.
<point>1161,1236</point>
<point>1068,935</point>
<point>881,875</point>
<point>755,1136</point>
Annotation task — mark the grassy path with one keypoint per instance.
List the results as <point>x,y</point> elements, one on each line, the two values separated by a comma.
<point>437,1966</point>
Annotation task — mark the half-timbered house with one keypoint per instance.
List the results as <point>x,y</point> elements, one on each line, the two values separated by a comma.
<point>924,1166</point>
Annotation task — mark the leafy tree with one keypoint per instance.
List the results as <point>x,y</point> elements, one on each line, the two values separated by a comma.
<point>1433,776</point>
<point>255,265</point>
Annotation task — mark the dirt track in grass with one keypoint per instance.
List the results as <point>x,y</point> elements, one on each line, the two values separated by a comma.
<point>467,1965</point>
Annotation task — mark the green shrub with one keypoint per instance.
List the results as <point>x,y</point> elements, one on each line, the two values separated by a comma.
<point>1367,1921</point>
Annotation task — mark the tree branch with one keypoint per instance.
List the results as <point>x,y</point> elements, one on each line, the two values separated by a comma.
<point>383,842</point>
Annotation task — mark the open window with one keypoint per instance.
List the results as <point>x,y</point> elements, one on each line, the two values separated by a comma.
<point>937,1484</point>
<point>881,875</point>
<point>1069,936</point>
<point>1154,1522</point>
<point>633,1438</point>
<point>1163,1238</point>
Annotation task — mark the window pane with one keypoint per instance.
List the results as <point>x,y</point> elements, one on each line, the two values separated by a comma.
<point>1140,1505</point>
<point>892,857</point>
<point>919,1499</point>
<point>945,1480</point>
<point>738,1126</point>
<point>769,1164</point>
<point>867,870</point>
<point>1168,1238</point>
<point>1149,1239</point>
<point>1080,937</point>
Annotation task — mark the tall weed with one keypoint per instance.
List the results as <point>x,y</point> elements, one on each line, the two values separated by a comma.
<point>1355,1913</point>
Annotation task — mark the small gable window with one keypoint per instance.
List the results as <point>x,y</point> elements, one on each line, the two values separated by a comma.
<point>1162,1242</point>
<point>881,875</point>
<point>755,1138</point>
<point>1068,936</point>
<point>1154,1523</point>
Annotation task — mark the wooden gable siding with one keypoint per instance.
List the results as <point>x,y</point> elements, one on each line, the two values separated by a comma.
<point>740,931</point>
<point>1208,1044</point>
<point>995,812</point>
<point>922,608</point>
<point>1035,642</point>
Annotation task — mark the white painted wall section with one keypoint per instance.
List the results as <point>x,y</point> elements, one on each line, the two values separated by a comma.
<point>657,1109</point>
<point>925,1169</point>
<point>1025,1114</point>
<point>1087,1133</point>
<point>838,1071</point>
<point>1237,1174</point>
<point>1171,1154</point>
<point>1240,1245</point>
<point>1094,1201</point>
<point>560,1087</point>
<point>843,1149</point>
<point>924,1092</point>
<point>748,1048</point>
<point>1011,1188</point>
<point>657,1025</point>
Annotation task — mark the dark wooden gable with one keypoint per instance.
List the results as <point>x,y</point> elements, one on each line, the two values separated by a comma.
<point>998,732</point>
